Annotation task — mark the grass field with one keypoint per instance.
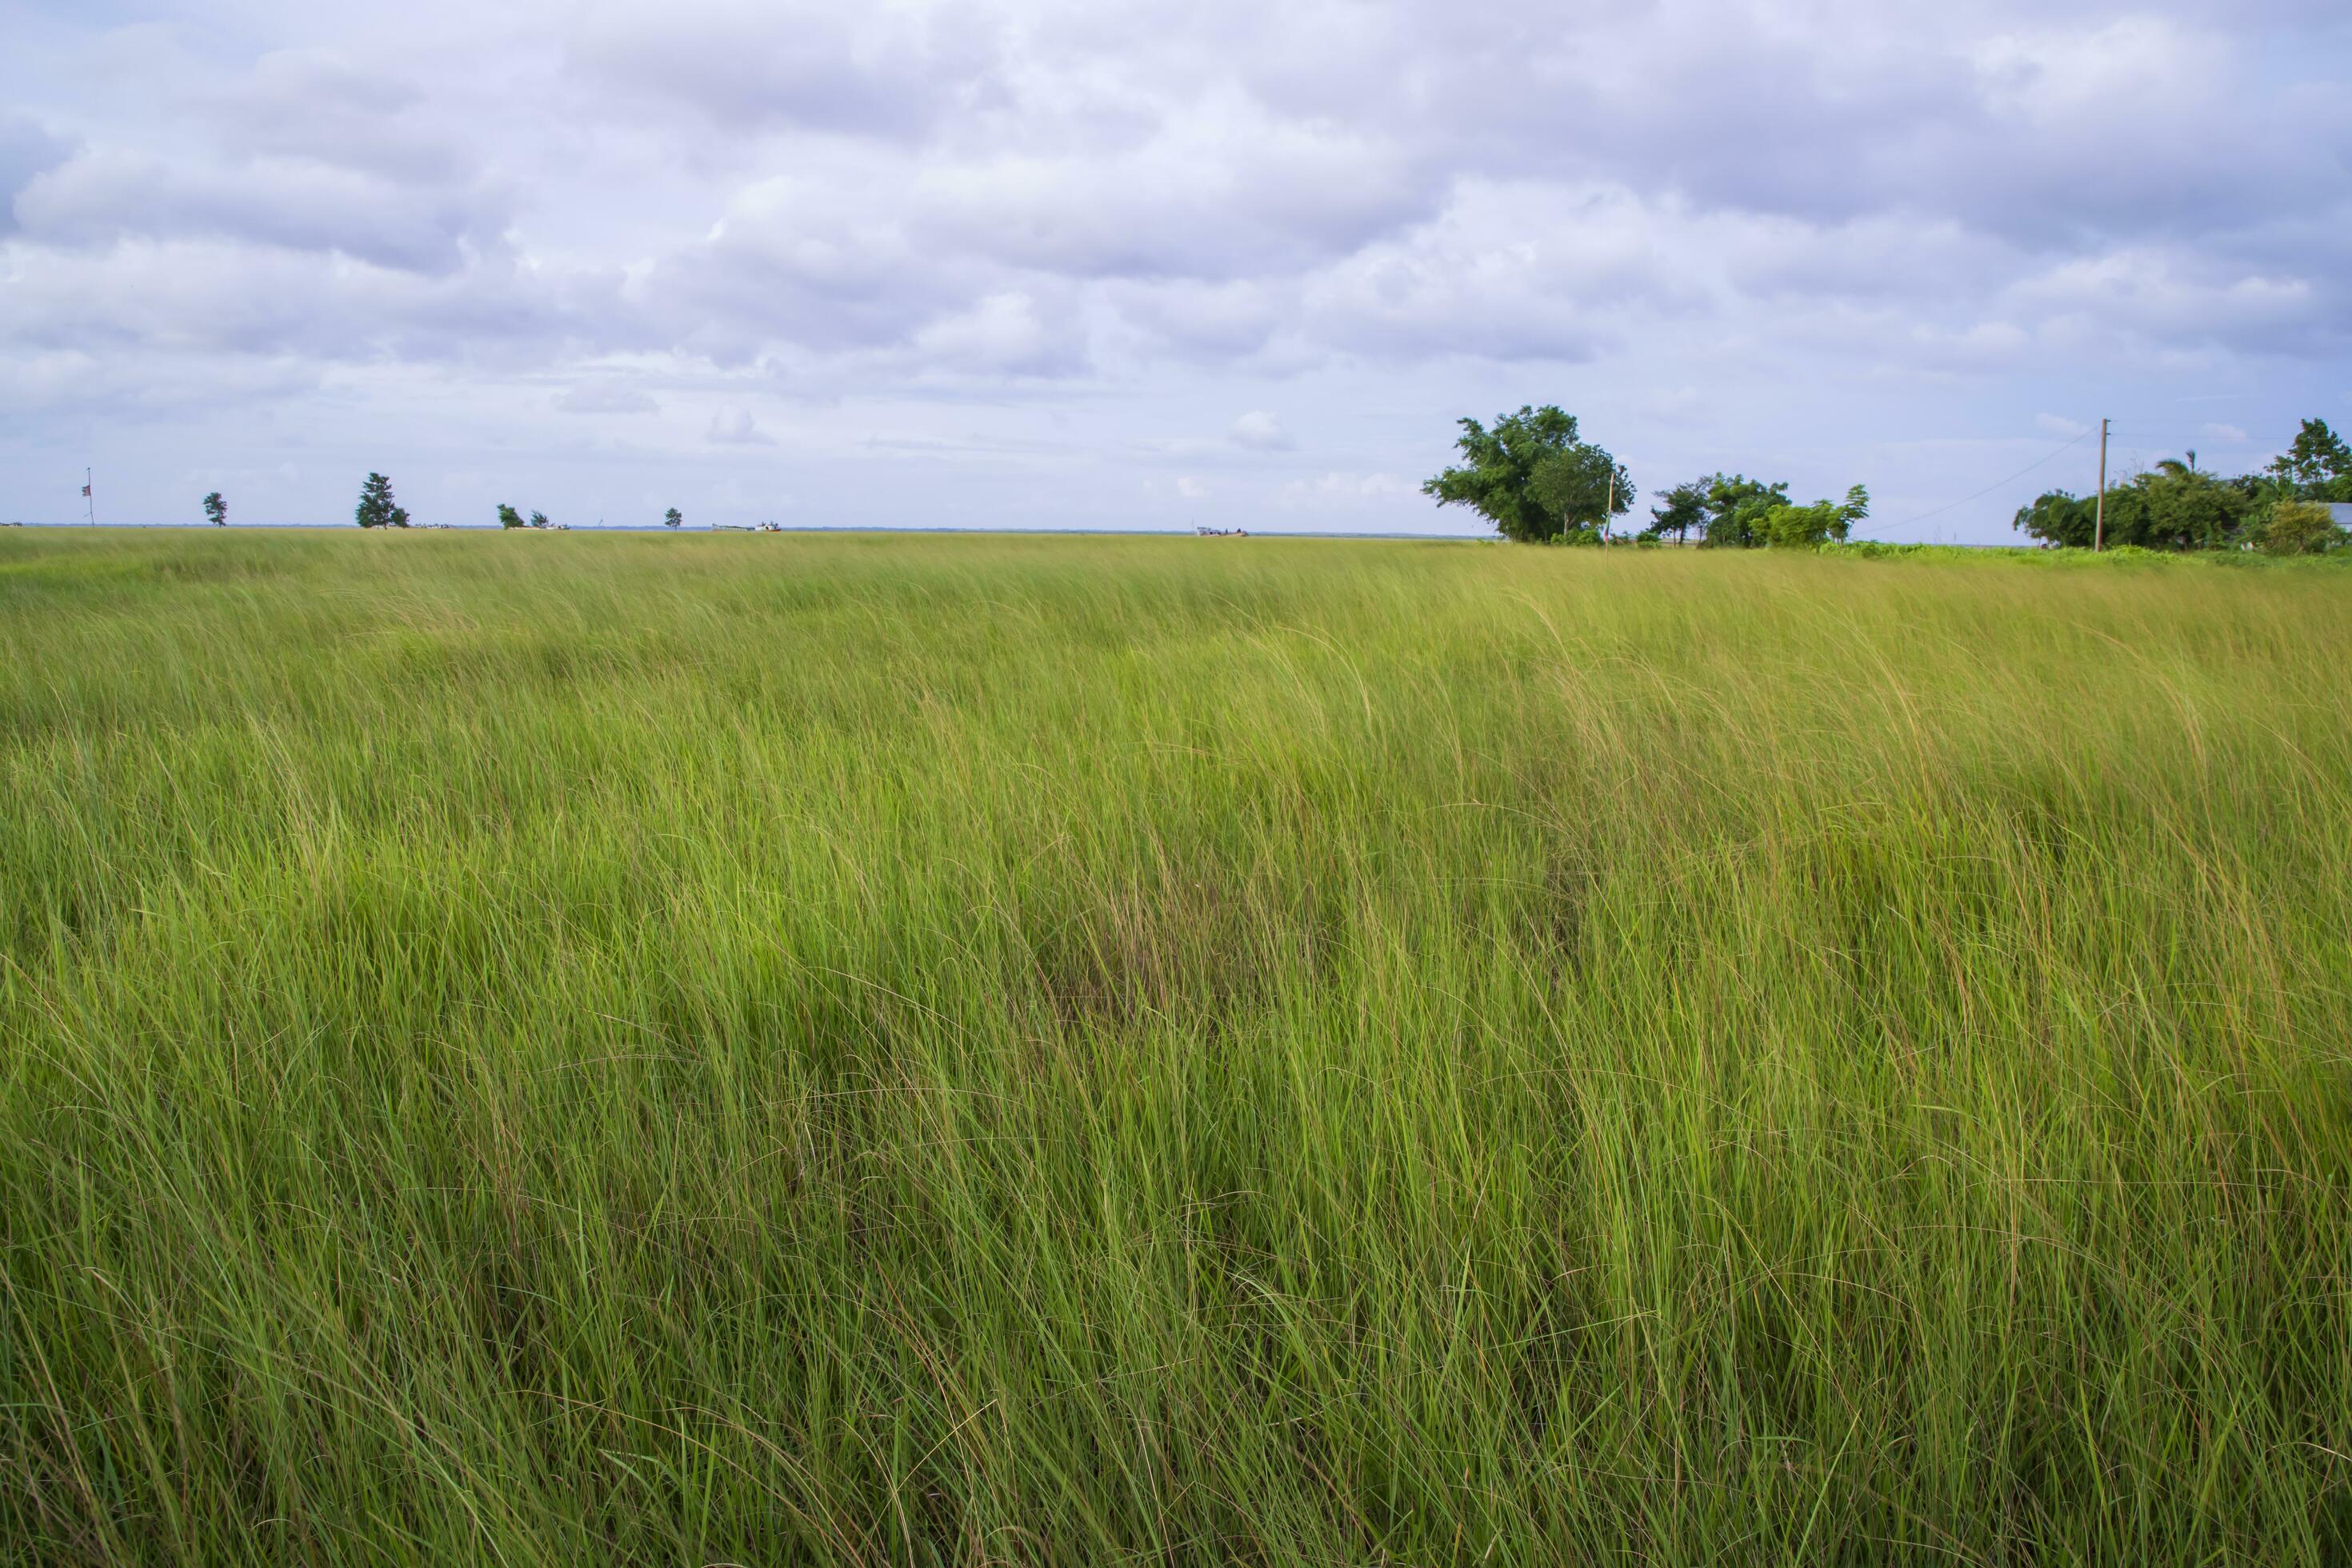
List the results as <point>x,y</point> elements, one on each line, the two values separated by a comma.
<point>566,1050</point>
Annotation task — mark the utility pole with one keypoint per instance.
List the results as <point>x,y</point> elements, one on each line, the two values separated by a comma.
<point>1612,512</point>
<point>2099,525</point>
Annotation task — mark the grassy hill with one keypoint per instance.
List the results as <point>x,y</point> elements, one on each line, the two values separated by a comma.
<point>863,1051</point>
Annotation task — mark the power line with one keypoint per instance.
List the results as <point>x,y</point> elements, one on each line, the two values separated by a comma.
<point>2211,438</point>
<point>1998,483</point>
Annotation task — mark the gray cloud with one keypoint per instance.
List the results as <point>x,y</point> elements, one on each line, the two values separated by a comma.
<point>1222,190</point>
<point>315,106</point>
<point>102,197</point>
<point>897,73</point>
<point>595,397</point>
<point>736,427</point>
<point>27,150</point>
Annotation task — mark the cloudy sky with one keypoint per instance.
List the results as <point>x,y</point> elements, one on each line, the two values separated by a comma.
<point>1078,263</point>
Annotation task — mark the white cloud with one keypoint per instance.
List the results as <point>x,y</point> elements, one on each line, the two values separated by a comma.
<point>1005,333</point>
<point>736,427</point>
<point>1260,431</point>
<point>2164,294</point>
<point>1346,492</point>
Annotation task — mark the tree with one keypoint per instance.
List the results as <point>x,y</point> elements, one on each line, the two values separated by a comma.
<point>1732,511</point>
<point>673,518</point>
<point>376,508</point>
<point>2059,517</point>
<point>1583,487</point>
<point>539,519</point>
<point>1805,527</point>
<point>1737,508</point>
<point>509,517</point>
<point>1684,508</point>
<point>2318,466</point>
<point>2187,510</point>
<point>2297,528</point>
<point>216,510</point>
<point>2171,507</point>
<point>1533,479</point>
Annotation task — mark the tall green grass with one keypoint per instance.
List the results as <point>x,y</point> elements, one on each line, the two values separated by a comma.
<point>563,1050</point>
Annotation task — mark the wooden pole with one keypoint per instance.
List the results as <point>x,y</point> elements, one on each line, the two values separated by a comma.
<point>2099,525</point>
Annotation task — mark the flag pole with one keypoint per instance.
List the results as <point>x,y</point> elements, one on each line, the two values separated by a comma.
<point>89,499</point>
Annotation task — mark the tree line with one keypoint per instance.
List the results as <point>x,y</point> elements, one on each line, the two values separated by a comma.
<point>2176,506</point>
<point>1533,478</point>
<point>377,508</point>
<point>1538,481</point>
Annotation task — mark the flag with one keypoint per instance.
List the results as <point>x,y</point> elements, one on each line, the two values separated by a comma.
<point>85,489</point>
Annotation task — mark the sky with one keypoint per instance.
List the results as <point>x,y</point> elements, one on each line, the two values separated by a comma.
<point>1152,265</point>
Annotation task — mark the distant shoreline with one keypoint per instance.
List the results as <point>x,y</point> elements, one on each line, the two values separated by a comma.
<point>872,529</point>
<point>747,528</point>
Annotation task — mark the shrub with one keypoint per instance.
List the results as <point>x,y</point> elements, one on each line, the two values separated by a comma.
<point>2298,527</point>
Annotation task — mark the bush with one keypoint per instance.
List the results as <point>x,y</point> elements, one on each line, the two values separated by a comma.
<point>2298,527</point>
<point>1880,550</point>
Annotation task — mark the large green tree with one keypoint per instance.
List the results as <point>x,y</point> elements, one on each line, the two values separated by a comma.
<point>2188,509</point>
<point>1737,508</point>
<point>216,510</point>
<point>376,508</point>
<point>2171,507</point>
<point>1534,479</point>
<point>2318,466</point>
